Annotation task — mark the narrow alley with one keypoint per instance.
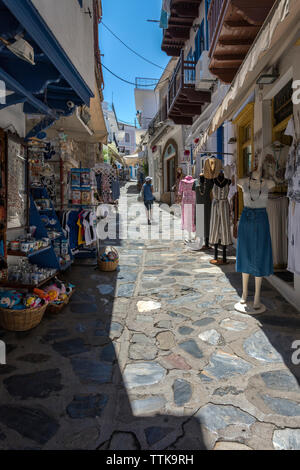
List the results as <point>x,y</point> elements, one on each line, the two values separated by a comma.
<point>154,356</point>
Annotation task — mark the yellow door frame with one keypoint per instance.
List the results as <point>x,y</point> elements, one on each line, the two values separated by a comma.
<point>243,120</point>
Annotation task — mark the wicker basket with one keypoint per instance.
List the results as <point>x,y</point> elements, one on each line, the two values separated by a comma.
<point>54,308</point>
<point>109,265</point>
<point>21,320</point>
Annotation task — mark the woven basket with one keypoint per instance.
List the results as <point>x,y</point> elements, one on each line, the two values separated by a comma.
<point>108,265</point>
<point>21,320</point>
<point>54,308</point>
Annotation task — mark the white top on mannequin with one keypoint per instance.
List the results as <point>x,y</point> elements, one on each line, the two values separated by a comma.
<point>257,196</point>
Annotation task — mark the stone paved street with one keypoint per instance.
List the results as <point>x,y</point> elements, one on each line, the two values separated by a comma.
<point>154,357</point>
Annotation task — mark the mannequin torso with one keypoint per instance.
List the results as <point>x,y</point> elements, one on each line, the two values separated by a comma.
<point>255,190</point>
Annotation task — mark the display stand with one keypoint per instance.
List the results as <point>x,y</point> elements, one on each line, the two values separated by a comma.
<point>108,177</point>
<point>46,258</point>
<point>248,308</point>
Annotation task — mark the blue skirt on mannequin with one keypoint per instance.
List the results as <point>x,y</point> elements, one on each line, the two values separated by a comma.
<point>254,246</point>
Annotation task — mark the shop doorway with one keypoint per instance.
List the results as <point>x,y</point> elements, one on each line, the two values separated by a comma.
<point>170,162</point>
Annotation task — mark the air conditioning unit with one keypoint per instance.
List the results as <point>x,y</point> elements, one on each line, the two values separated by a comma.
<point>204,79</point>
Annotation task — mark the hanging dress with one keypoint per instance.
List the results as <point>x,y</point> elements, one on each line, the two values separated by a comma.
<point>188,204</point>
<point>220,216</point>
<point>203,187</point>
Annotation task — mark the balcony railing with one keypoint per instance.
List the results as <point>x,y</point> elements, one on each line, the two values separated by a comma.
<point>183,77</point>
<point>161,116</point>
<point>234,25</point>
<point>146,83</point>
<point>215,14</point>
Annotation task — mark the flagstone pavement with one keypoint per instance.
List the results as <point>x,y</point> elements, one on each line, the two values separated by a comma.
<point>154,356</point>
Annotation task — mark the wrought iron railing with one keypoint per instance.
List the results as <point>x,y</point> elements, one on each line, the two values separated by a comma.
<point>146,83</point>
<point>215,14</point>
<point>183,77</point>
<point>161,116</point>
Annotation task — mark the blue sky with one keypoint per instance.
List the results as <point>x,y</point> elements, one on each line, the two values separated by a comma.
<point>128,20</point>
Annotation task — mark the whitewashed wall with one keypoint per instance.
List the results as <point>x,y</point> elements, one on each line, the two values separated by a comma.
<point>74,31</point>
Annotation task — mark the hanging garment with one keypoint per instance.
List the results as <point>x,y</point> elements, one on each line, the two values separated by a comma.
<point>294,238</point>
<point>115,189</point>
<point>106,191</point>
<point>220,216</point>
<point>203,187</point>
<point>80,229</point>
<point>278,218</point>
<point>188,204</point>
<point>254,246</point>
<point>177,196</point>
<point>98,177</point>
<point>89,221</point>
<point>212,167</point>
<point>72,228</point>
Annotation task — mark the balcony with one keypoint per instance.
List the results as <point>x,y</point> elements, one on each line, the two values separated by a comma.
<point>184,101</point>
<point>183,15</point>
<point>159,118</point>
<point>233,26</point>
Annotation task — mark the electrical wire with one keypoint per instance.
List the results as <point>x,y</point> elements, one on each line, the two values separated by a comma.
<point>134,52</point>
<point>127,81</point>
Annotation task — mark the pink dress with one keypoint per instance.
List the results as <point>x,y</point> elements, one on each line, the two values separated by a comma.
<point>188,204</point>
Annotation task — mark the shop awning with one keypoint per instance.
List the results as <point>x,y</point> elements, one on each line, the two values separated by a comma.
<point>44,80</point>
<point>133,159</point>
<point>116,155</point>
<point>84,125</point>
<point>284,17</point>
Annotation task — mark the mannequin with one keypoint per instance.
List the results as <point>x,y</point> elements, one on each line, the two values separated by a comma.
<point>220,217</point>
<point>202,187</point>
<point>175,188</point>
<point>188,204</point>
<point>254,249</point>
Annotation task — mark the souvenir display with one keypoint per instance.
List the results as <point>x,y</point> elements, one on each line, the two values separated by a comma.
<point>81,187</point>
<point>107,183</point>
<point>27,273</point>
<point>27,244</point>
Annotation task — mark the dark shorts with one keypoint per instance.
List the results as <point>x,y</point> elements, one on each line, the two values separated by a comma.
<point>148,204</point>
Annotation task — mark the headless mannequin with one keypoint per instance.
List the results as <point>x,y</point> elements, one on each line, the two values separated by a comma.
<point>212,167</point>
<point>221,181</point>
<point>206,245</point>
<point>189,239</point>
<point>197,245</point>
<point>243,306</point>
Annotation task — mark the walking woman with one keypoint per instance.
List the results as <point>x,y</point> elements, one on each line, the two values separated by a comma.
<point>148,198</point>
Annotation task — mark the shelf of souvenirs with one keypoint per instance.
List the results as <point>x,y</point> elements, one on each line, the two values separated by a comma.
<point>28,255</point>
<point>19,285</point>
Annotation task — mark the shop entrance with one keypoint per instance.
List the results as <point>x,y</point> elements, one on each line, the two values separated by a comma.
<point>170,159</point>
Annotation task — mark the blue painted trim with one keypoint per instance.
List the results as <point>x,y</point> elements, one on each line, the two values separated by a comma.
<point>207,4</point>
<point>29,17</point>
<point>12,84</point>
<point>41,126</point>
<point>220,142</point>
<point>13,99</point>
